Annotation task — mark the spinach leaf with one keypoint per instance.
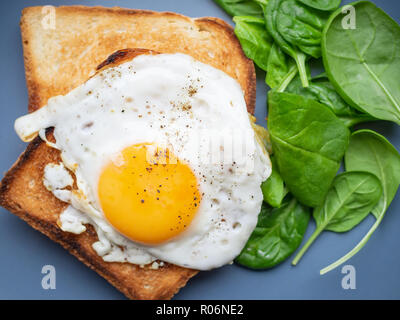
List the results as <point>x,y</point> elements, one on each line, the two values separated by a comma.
<point>369,151</point>
<point>277,235</point>
<point>270,13</point>
<point>321,90</point>
<point>321,76</point>
<point>350,199</point>
<point>308,141</point>
<point>281,69</point>
<point>273,188</point>
<point>254,39</point>
<point>363,63</point>
<point>300,25</point>
<point>241,7</point>
<point>325,5</point>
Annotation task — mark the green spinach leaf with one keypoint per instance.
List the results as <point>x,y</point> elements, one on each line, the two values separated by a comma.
<point>273,188</point>
<point>270,13</point>
<point>278,234</point>
<point>321,90</point>
<point>363,63</point>
<point>301,25</point>
<point>369,151</point>
<point>325,5</point>
<point>281,69</point>
<point>241,7</point>
<point>350,199</point>
<point>308,141</point>
<point>254,38</point>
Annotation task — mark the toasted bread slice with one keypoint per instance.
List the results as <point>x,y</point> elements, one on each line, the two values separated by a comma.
<point>59,59</point>
<point>82,39</point>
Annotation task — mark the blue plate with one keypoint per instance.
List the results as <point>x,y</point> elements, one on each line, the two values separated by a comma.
<point>25,251</point>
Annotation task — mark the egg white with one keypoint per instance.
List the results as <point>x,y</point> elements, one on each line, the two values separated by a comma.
<point>167,99</point>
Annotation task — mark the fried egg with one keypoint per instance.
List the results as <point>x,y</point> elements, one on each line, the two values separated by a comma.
<point>159,156</point>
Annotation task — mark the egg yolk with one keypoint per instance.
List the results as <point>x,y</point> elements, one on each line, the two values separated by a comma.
<point>148,194</point>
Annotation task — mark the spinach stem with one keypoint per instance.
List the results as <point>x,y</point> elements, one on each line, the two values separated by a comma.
<point>301,65</point>
<point>300,254</point>
<point>357,248</point>
<point>288,78</point>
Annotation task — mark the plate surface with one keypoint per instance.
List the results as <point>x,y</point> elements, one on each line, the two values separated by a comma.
<point>25,251</point>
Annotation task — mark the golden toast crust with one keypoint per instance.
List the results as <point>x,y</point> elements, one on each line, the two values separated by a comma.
<point>22,191</point>
<point>209,40</point>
